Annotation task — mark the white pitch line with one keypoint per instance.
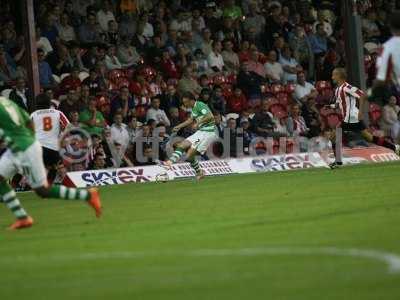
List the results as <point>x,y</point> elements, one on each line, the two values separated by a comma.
<point>392,260</point>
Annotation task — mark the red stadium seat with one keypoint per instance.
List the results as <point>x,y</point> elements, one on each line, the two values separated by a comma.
<point>114,75</point>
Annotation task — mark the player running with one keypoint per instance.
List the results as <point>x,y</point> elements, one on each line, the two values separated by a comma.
<point>199,142</point>
<point>349,100</point>
<point>48,124</point>
<point>24,156</point>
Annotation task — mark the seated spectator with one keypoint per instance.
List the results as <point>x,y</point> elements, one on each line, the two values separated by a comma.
<point>70,103</point>
<point>370,26</point>
<point>84,95</point>
<point>112,34</point>
<point>45,73</point>
<point>170,98</point>
<point>319,41</point>
<point>290,65</point>
<point>105,15</point>
<point>155,52</point>
<point>119,132</point>
<point>215,59</point>
<point>325,23</point>
<point>127,53</point>
<point>73,118</point>
<point>65,30</point>
<point>148,158</point>
<point>254,64</point>
<point>390,121</point>
<point>72,81</point>
<point>207,42</point>
<point>157,85</point>
<point>133,128</point>
<point>99,162</point>
<point>302,51</point>
<point>157,114</point>
<point>89,32</point>
<point>236,102</point>
<point>92,120</point>
<point>263,122</point>
<point>182,23</point>
<point>273,69</point>
<point>217,101</point>
<point>231,59</point>
<point>187,83</point>
<point>19,94</point>
<point>201,63</point>
<point>148,30</point>
<point>123,104</point>
<point>312,117</point>
<point>75,56</point>
<point>244,53</point>
<point>7,71</point>
<point>296,124</point>
<point>254,19</point>
<point>60,60</point>
<point>174,117</point>
<point>94,82</point>
<point>168,66</point>
<point>91,57</point>
<point>304,90</point>
<point>111,60</point>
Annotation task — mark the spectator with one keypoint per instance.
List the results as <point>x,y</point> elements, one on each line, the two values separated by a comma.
<point>19,94</point>
<point>157,114</point>
<point>312,117</point>
<point>49,29</point>
<point>201,63</point>
<point>70,103</point>
<point>263,121</point>
<point>65,30</point>
<point>254,20</point>
<point>215,59</point>
<point>319,41</point>
<point>73,117</point>
<point>304,90</point>
<point>170,98</point>
<point>99,162</point>
<point>296,123</point>
<point>370,26</point>
<point>217,101</point>
<point>236,102</point>
<point>94,82</point>
<point>111,60</point>
<point>84,96</point>
<point>187,83</point>
<point>75,56</point>
<point>148,30</point>
<point>290,66</point>
<point>119,132</point>
<point>42,42</point>
<point>325,23</point>
<point>72,81</point>
<point>105,15</point>
<point>207,42</point>
<point>254,64</point>
<point>133,129</point>
<point>127,26</point>
<point>154,53</point>
<point>231,59</point>
<point>219,124</point>
<point>112,34</point>
<point>250,83</point>
<point>302,50</point>
<point>174,117</point>
<point>390,121</point>
<point>127,54</point>
<point>45,73</point>
<point>123,104</point>
<point>182,23</point>
<point>92,120</point>
<point>60,60</point>
<point>273,69</point>
<point>231,10</point>
<point>89,32</point>
<point>7,71</point>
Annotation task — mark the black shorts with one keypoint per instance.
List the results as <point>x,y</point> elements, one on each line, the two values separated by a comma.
<point>50,157</point>
<point>353,127</point>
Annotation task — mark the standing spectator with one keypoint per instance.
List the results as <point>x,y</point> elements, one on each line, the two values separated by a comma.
<point>390,121</point>
<point>319,41</point>
<point>89,32</point>
<point>119,132</point>
<point>65,30</point>
<point>157,114</point>
<point>105,15</point>
<point>92,120</point>
<point>302,50</point>
<point>215,59</point>
<point>45,73</point>
<point>303,89</point>
<point>19,94</point>
<point>273,69</point>
<point>231,59</point>
<point>127,54</point>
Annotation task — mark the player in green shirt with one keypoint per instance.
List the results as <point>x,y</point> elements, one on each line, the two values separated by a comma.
<point>24,156</point>
<point>199,142</point>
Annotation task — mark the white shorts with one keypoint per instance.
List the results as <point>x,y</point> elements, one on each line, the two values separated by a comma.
<point>28,163</point>
<point>201,140</point>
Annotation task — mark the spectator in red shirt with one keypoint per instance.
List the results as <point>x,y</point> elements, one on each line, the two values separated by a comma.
<point>70,82</point>
<point>168,66</point>
<point>237,102</point>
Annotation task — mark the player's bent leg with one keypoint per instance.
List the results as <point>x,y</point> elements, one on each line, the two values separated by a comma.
<point>91,196</point>
<point>194,163</point>
<point>9,197</point>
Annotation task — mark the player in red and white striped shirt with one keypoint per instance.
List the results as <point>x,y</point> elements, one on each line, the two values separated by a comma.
<point>349,100</point>
<point>49,123</point>
<point>388,62</point>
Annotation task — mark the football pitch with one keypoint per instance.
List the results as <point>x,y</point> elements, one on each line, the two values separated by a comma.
<point>315,234</point>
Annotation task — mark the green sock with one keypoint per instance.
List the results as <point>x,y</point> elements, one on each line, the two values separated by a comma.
<point>63,192</point>
<point>176,155</point>
<point>9,197</point>
<point>194,163</point>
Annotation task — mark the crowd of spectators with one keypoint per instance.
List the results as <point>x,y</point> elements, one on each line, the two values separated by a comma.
<point>117,68</point>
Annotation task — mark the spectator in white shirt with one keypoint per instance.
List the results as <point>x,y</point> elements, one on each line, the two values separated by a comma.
<point>105,15</point>
<point>157,114</point>
<point>148,30</point>
<point>304,90</point>
<point>326,24</point>
<point>215,59</point>
<point>111,60</point>
<point>182,23</point>
<point>42,42</point>
<point>65,31</point>
<point>119,132</point>
<point>273,68</point>
<point>289,64</point>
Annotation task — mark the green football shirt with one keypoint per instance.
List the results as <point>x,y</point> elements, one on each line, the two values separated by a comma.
<point>199,110</point>
<point>86,116</point>
<point>13,126</point>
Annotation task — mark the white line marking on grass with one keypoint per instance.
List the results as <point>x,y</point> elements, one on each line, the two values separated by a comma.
<point>392,260</point>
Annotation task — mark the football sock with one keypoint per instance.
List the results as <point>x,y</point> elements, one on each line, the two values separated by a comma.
<point>338,156</point>
<point>176,155</point>
<point>9,197</point>
<point>63,192</point>
<point>194,163</point>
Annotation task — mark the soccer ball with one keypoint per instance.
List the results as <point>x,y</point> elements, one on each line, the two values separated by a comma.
<point>162,177</point>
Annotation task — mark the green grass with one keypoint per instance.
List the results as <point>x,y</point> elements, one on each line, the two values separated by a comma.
<point>144,246</point>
